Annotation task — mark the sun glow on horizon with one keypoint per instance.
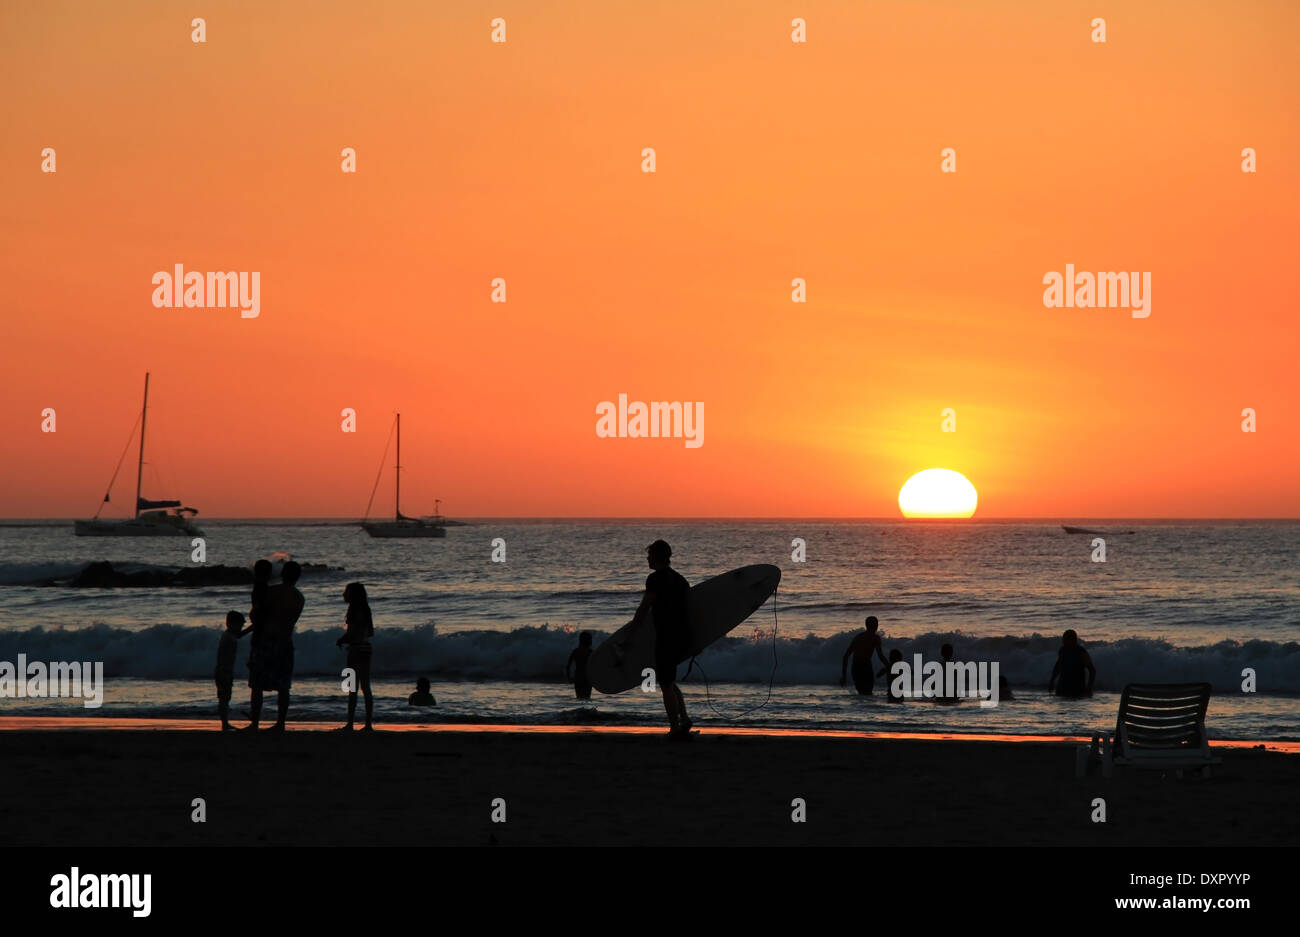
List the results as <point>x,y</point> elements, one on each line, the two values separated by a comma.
<point>937,492</point>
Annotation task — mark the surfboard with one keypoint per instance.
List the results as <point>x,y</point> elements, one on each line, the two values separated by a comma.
<point>713,608</point>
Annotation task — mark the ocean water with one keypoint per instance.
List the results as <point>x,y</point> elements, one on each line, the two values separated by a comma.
<point>1173,602</point>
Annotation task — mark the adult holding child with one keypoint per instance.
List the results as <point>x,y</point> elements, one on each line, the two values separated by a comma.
<point>282,606</point>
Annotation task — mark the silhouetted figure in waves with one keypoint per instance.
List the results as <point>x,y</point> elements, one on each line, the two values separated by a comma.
<point>360,627</point>
<point>666,592</point>
<point>285,605</point>
<point>860,649</point>
<point>422,696</point>
<point>577,663</point>
<point>1071,661</point>
<point>225,672</point>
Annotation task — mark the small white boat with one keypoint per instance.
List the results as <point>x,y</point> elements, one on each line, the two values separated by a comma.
<point>401,525</point>
<point>152,518</point>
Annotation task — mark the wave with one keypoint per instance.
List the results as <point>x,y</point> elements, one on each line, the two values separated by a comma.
<point>164,652</point>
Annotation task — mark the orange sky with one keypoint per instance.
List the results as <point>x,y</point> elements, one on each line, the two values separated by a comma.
<point>775,160</point>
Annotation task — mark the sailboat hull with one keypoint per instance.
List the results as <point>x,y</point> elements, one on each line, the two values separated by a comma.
<point>139,527</point>
<point>403,529</point>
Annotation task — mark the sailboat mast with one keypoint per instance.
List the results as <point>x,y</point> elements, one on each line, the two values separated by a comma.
<point>139,468</point>
<point>397,470</point>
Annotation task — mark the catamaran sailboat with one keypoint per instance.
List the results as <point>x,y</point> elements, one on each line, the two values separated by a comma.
<point>152,518</point>
<point>401,525</point>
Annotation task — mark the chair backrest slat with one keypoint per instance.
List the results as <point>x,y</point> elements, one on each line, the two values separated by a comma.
<point>1162,716</point>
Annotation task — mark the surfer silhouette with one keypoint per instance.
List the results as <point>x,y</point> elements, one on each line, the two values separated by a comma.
<point>1071,661</point>
<point>665,595</point>
<point>577,663</point>
<point>860,649</point>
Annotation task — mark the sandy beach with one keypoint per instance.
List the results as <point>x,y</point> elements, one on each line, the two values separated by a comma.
<point>76,786</point>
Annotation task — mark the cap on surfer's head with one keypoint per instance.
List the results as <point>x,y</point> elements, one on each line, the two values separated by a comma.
<point>659,550</point>
<point>872,622</point>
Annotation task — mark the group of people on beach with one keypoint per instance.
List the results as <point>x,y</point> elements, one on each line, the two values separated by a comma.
<point>1067,680</point>
<point>274,612</point>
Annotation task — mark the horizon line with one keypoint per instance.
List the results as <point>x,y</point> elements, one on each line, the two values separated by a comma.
<point>1045,519</point>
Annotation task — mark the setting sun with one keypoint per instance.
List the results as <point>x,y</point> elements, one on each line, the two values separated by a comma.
<point>937,493</point>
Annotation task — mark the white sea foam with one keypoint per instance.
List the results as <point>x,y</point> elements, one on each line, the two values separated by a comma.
<point>163,652</point>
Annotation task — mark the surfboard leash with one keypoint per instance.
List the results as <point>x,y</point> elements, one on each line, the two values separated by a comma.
<point>708,696</point>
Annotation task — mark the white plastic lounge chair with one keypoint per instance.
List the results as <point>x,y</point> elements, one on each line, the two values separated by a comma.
<point>1160,725</point>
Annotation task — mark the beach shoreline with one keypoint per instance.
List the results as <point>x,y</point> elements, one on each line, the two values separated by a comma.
<point>196,724</point>
<point>625,786</point>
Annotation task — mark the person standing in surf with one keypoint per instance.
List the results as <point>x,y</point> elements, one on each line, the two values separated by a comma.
<point>665,595</point>
<point>577,667</point>
<point>1071,661</point>
<point>860,650</point>
<point>360,625</point>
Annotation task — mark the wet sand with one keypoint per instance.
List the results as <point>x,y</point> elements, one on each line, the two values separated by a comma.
<point>77,786</point>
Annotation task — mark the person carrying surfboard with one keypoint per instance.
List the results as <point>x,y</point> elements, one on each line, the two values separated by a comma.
<point>665,595</point>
